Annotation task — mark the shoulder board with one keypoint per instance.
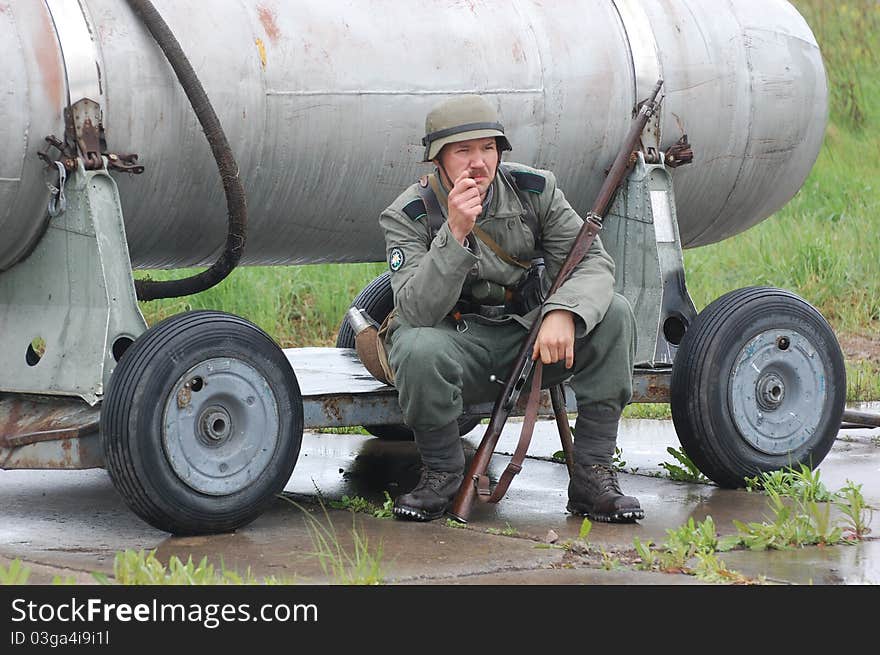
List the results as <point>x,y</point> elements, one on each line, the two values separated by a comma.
<point>526,181</point>
<point>415,209</point>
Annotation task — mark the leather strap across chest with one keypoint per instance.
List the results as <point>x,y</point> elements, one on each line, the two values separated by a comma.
<point>429,194</point>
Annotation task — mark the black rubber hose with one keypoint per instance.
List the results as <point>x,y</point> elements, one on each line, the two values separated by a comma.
<point>235,198</point>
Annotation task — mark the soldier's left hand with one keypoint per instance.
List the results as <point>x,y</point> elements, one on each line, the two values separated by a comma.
<point>556,338</point>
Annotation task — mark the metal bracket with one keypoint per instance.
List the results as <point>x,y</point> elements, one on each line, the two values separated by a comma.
<point>641,234</point>
<point>69,310</point>
<point>85,123</point>
<point>679,154</point>
<point>124,163</point>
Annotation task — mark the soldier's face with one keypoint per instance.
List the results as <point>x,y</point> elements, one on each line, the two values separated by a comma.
<point>478,155</point>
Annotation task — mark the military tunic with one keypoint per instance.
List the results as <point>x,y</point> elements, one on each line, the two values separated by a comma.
<point>439,363</point>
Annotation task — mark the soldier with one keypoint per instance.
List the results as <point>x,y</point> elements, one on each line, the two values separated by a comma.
<point>463,246</point>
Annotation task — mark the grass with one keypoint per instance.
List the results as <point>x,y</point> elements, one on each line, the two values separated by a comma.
<point>788,525</point>
<point>689,549</point>
<point>14,574</point>
<point>856,512</point>
<point>358,564</point>
<point>359,504</point>
<point>352,429</point>
<point>862,381</point>
<point>793,483</point>
<point>796,518</point>
<point>800,512</point>
<point>141,567</point>
<point>507,531</point>
<point>361,564</point>
<point>581,545</point>
<point>685,541</point>
<point>685,470</point>
<point>296,305</point>
<point>144,568</point>
<point>648,410</point>
<point>617,461</point>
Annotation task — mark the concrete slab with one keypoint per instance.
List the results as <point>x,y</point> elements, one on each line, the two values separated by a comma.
<point>71,523</point>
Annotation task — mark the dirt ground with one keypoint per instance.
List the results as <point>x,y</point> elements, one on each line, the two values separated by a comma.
<point>859,347</point>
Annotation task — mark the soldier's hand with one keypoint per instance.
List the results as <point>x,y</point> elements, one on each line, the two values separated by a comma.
<point>464,205</point>
<point>556,338</point>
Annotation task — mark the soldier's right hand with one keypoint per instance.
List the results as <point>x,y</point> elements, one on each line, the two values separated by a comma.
<point>464,205</point>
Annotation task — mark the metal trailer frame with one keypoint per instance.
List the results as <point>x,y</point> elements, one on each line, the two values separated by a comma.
<point>59,432</point>
<point>783,402</point>
<point>76,292</point>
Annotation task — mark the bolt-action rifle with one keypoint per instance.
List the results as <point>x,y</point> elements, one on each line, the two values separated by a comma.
<point>476,482</point>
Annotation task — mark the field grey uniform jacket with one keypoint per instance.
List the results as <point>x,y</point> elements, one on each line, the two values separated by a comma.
<point>427,277</point>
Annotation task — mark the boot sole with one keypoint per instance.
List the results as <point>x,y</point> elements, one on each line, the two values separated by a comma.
<point>621,516</point>
<point>409,514</point>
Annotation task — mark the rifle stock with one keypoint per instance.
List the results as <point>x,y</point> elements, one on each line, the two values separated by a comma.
<point>467,493</point>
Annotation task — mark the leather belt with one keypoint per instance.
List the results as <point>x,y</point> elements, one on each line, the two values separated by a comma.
<point>491,311</point>
<point>486,311</point>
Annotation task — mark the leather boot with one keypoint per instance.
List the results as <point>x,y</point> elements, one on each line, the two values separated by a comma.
<point>594,492</point>
<point>442,472</point>
<point>431,496</point>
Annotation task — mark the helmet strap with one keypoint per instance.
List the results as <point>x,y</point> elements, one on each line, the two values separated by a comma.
<point>445,175</point>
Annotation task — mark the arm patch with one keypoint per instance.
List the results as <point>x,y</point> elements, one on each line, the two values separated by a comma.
<point>529,181</point>
<point>415,210</point>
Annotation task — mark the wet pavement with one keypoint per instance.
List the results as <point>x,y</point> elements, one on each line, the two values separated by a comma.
<point>71,523</point>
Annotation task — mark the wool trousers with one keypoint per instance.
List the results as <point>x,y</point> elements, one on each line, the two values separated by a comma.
<point>440,369</point>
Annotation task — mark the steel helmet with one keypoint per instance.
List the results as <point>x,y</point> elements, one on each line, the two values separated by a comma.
<point>459,119</point>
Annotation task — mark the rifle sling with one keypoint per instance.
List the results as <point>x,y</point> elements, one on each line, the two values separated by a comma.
<point>522,447</point>
<point>494,247</point>
<point>515,466</point>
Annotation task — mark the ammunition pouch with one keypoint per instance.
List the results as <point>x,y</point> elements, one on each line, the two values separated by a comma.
<point>529,293</point>
<point>491,300</point>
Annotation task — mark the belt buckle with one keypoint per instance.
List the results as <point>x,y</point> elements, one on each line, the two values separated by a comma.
<point>492,311</point>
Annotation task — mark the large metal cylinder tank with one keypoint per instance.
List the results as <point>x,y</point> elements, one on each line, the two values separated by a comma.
<point>323,102</point>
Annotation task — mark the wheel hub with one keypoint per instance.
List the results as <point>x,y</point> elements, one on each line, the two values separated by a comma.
<point>770,391</point>
<point>777,391</point>
<point>215,425</point>
<point>221,426</point>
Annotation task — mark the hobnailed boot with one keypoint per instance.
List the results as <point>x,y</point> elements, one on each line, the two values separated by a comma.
<point>431,496</point>
<point>594,492</point>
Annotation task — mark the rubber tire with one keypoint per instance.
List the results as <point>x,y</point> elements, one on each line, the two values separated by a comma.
<point>377,298</point>
<point>132,417</point>
<point>700,406</point>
